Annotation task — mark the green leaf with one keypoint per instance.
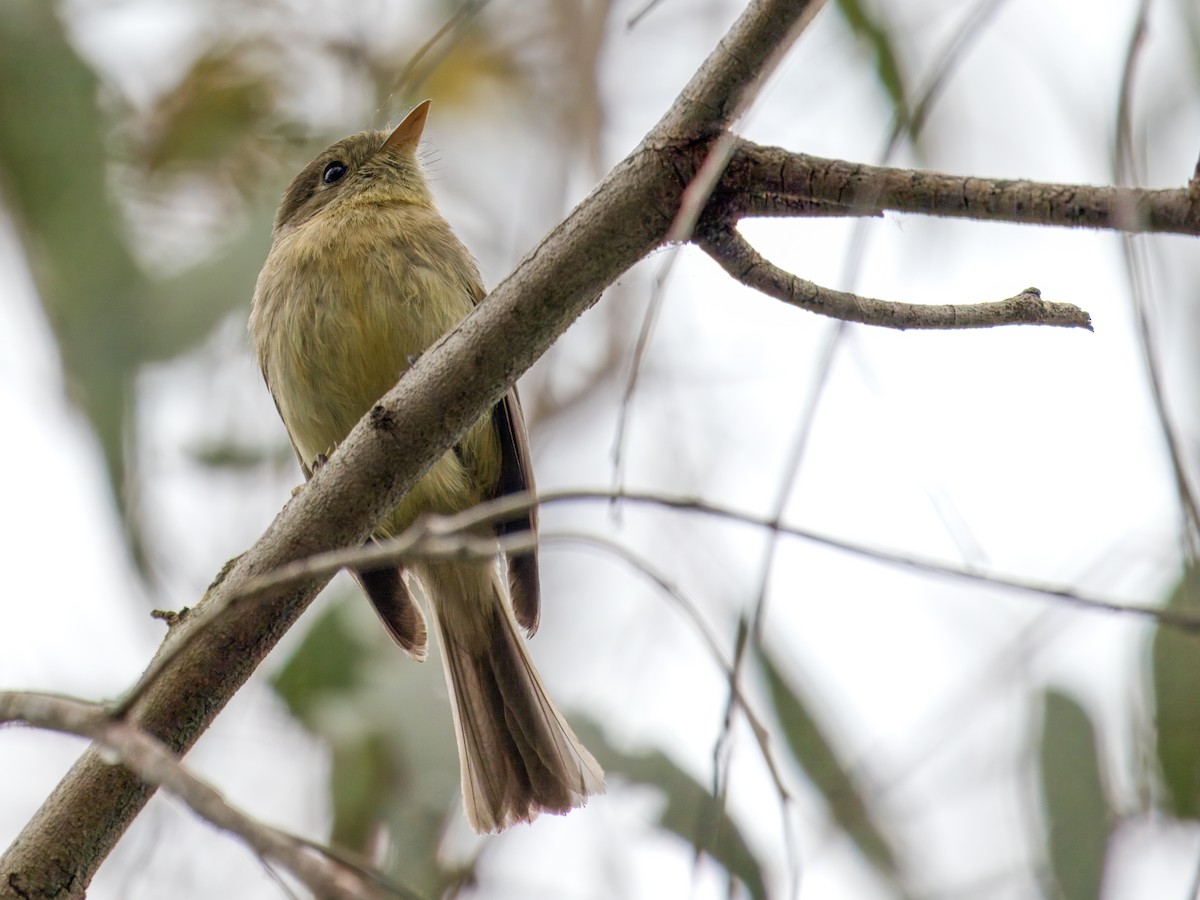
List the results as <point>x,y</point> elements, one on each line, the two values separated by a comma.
<point>815,754</point>
<point>877,34</point>
<point>386,720</point>
<point>1175,670</point>
<point>1077,811</point>
<point>213,112</point>
<point>189,304</point>
<point>53,171</point>
<point>328,665</point>
<point>365,778</point>
<point>691,812</point>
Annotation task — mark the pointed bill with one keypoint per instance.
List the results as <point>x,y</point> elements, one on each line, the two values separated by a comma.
<point>408,132</point>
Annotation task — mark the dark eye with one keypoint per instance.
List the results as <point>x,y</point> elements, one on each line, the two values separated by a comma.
<point>334,172</point>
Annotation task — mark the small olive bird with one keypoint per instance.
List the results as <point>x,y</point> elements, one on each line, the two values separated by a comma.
<point>363,275</point>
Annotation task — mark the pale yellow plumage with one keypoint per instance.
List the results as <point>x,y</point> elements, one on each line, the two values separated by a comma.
<point>363,275</point>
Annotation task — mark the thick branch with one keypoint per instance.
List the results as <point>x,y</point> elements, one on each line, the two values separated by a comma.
<point>626,216</point>
<point>756,171</point>
<point>743,263</point>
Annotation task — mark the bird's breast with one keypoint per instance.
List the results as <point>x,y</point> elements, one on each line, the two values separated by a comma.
<point>342,307</point>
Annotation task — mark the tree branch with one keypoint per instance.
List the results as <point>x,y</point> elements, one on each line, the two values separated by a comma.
<point>743,263</point>
<point>325,876</point>
<point>755,171</point>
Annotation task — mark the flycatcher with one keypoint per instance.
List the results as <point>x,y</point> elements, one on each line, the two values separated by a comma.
<point>363,275</point>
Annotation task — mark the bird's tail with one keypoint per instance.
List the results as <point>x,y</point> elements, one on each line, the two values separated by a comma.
<point>518,755</point>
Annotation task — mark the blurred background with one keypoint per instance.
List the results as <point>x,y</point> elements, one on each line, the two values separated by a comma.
<point>906,733</point>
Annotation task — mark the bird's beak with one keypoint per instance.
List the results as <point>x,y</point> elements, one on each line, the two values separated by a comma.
<point>408,132</point>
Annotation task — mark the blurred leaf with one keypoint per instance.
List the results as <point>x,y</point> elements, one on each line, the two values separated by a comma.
<point>474,61</point>
<point>211,112</point>
<point>878,35</point>
<point>1175,670</point>
<point>328,662</point>
<point>107,319</point>
<point>52,169</point>
<point>233,456</point>
<point>1077,810</point>
<point>815,754</point>
<point>191,303</point>
<point>690,808</point>
<point>386,720</point>
<point>365,777</point>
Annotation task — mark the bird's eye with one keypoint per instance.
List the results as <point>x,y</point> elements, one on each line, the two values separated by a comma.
<point>334,172</point>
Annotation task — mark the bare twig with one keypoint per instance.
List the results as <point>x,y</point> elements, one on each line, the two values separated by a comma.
<point>455,537</point>
<point>632,22</point>
<point>645,332</point>
<point>323,874</point>
<point>742,262</point>
<point>737,87</point>
<point>455,25</point>
<point>762,735</point>
<point>948,60</point>
<point>1137,270</point>
<point>429,538</point>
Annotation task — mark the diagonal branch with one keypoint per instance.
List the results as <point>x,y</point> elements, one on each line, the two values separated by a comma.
<point>624,218</point>
<point>743,263</point>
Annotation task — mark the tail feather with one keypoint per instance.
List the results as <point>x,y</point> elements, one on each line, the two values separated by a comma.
<point>518,755</point>
<point>396,608</point>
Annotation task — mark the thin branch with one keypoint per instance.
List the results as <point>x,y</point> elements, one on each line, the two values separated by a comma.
<point>762,735</point>
<point>738,87</point>
<point>752,632</point>
<point>756,170</point>
<point>1194,889</point>
<point>1137,270</point>
<point>456,25</point>
<point>436,538</point>
<point>743,263</point>
<point>150,760</point>
<point>700,189</point>
<point>633,21</point>
<point>455,537</point>
<point>949,58</point>
<point>658,293</point>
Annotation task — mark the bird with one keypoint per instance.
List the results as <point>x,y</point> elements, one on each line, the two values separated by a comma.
<point>362,276</point>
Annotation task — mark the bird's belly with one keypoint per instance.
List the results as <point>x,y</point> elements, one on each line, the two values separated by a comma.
<point>332,364</point>
<point>335,368</point>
